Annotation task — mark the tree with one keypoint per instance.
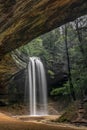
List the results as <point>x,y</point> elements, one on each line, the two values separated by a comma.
<point>69,69</point>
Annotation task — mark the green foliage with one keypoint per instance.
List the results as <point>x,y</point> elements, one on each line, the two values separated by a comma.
<point>51,73</point>
<point>51,49</point>
<point>33,48</point>
<point>58,91</point>
<point>78,70</point>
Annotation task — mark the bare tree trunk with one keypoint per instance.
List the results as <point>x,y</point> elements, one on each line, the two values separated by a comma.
<point>80,44</point>
<point>72,93</point>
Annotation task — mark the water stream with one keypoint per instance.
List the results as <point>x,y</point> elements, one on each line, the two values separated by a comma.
<point>36,90</point>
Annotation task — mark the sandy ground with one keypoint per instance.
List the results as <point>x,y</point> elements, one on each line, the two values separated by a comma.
<point>10,123</point>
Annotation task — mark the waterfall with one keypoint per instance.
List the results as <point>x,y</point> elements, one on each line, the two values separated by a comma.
<point>36,89</point>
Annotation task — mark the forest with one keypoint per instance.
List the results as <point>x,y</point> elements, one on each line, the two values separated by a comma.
<point>63,50</point>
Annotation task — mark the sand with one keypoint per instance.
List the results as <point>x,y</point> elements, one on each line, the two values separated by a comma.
<point>10,123</point>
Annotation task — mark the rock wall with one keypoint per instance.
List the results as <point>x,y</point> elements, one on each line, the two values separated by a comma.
<point>23,20</point>
<point>8,68</point>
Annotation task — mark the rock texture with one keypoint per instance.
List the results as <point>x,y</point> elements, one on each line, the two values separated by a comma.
<point>23,20</point>
<point>8,68</point>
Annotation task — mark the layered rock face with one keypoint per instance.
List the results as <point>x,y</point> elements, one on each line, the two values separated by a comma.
<point>8,68</point>
<point>23,20</point>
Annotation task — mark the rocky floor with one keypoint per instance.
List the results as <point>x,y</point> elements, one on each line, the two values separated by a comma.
<point>11,123</point>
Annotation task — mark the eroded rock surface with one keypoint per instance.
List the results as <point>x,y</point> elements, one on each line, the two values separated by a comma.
<point>23,20</point>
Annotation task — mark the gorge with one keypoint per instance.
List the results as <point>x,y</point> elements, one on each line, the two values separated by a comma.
<point>21,21</point>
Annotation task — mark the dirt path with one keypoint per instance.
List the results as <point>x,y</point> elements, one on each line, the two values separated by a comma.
<point>9,123</point>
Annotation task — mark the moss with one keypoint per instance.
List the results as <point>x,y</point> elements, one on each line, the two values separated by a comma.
<point>70,114</point>
<point>63,119</point>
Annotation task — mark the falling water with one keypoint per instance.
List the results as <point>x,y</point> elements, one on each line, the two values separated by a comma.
<point>36,87</point>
